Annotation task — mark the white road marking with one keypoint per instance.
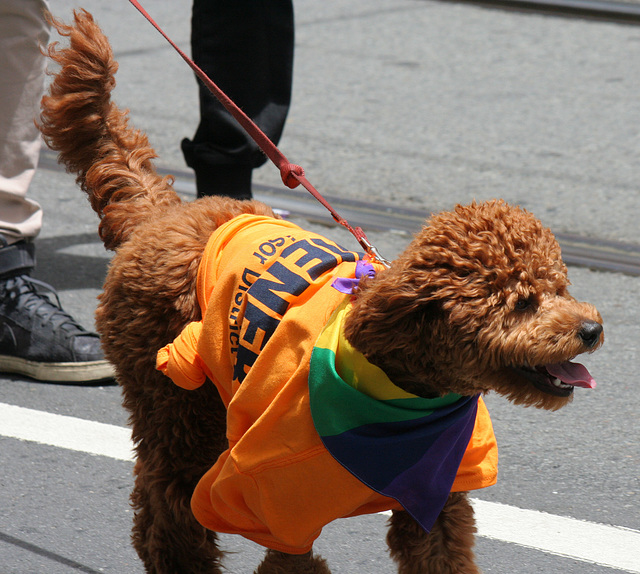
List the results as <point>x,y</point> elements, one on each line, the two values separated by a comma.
<point>610,546</point>
<point>66,432</point>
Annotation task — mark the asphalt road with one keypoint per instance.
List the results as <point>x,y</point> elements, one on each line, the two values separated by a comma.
<point>413,103</point>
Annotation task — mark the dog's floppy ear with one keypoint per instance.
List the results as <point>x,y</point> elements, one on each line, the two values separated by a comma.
<point>393,306</point>
<point>425,285</point>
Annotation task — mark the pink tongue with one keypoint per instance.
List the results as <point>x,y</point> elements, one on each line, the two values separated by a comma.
<point>573,374</point>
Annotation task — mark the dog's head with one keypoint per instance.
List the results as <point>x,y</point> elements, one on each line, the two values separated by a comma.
<point>479,301</point>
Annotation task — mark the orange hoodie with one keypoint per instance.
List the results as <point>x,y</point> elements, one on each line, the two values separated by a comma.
<point>265,289</point>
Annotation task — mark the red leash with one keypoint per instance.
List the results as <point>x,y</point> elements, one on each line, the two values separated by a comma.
<point>292,175</point>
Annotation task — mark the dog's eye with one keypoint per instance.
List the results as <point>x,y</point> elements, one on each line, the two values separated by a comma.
<point>523,304</point>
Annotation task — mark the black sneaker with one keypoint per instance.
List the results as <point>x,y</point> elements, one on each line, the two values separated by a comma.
<point>40,340</point>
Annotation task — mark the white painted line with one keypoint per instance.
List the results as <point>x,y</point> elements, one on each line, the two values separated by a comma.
<point>610,546</point>
<point>66,432</point>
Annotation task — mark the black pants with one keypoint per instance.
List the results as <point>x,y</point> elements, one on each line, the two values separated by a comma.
<point>246,48</point>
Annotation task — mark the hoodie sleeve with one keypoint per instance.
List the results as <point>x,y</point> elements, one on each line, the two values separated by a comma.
<point>180,360</point>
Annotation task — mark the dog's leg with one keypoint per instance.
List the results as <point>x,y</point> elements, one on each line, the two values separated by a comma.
<point>149,296</point>
<point>280,563</point>
<point>447,549</point>
<point>165,534</point>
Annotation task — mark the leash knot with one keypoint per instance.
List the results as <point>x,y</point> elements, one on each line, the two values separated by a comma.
<point>288,173</point>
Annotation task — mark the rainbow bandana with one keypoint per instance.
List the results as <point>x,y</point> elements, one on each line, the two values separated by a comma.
<point>398,444</point>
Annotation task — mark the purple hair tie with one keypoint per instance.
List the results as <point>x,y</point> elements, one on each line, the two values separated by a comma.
<point>347,285</point>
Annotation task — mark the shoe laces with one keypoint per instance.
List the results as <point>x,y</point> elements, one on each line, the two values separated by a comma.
<point>32,296</point>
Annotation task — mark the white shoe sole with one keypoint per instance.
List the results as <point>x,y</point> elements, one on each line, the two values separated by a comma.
<point>80,372</point>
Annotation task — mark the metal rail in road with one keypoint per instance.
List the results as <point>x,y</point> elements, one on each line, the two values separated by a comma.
<point>621,12</point>
<point>600,254</point>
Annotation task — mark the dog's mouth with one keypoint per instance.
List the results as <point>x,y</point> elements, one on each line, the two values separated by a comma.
<point>558,379</point>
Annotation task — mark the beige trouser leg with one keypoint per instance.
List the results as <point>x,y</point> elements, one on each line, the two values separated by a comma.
<point>22,31</point>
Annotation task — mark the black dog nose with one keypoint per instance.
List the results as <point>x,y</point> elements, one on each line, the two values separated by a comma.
<point>590,332</point>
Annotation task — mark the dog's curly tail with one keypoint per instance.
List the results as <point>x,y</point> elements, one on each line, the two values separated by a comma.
<point>113,161</point>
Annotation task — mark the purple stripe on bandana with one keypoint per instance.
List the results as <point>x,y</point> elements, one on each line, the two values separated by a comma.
<point>424,488</point>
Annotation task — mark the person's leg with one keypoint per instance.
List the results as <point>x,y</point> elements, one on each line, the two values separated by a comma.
<point>37,338</point>
<point>246,48</point>
<point>22,30</point>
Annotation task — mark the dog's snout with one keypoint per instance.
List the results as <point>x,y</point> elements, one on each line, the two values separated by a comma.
<point>590,332</point>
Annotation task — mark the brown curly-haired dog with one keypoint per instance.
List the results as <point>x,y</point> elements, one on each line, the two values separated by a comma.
<point>478,302</point>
